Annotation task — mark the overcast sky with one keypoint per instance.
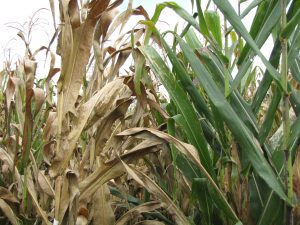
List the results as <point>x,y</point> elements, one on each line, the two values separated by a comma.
<point>15,13</point>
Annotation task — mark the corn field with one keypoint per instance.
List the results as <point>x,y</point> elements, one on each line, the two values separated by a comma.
<point>105,144</point>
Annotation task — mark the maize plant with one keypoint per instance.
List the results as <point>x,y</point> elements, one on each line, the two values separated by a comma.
<point>96,141</point>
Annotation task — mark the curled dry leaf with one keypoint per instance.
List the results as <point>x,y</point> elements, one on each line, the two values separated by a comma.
<point>8,212</point>
<point>99,177</point>
<point>97,8</point>
<point>68,197</point>
<point>7,160</point>
<point>102,209</point>
<point>51,73</point>
<point>50,128</point>
<point>76,44</point>
<point>135,212</point>
<point>39,98</point>
<point>143,148</point>
<point>29,69</point>
<point>150,222</point>
<point>154,189</point>
<point>45,184</point>
<point>40,211</point>
<point>114,101</point>
<point>100,102</point>
<point>104,129</point>
<point>187,150</point>
<point>7,195</point>
<point>10,90</point>
<point>113,169</point>
<point>74,14</point>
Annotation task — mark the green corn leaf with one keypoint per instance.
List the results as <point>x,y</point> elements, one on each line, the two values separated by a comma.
<point>246,140</point>
<point>213,21</point>
<point>271,210</point>
<point>295,136</point>
<point>265,18</point>
<point>202,23</point>
<point>262,35</point>
<point>294,46</point>
<point>269,117</point>
<point>290,27</point>
<point>236,22</point>
<point>217,71</point>
<point>267,79</point>
<point>177,94</point>
<point>295,69</point>
<point>190,19</point>
<point>200,192</point>
<point>192,40</point>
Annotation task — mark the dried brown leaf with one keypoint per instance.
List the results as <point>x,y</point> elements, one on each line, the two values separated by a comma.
<point>141,11</point>
<point>45,184</point>
<point>38,208</point>
<point>50,128</point>
<point>38,51</point>
<point>103,25</point>
<point>135,212</point>
<point>153,188</point>
<point>39,98</point>
<point>10,90</point>
<point>8,212</point>
<point>105,126</point>
<point>7,195</point>
<point>143,148</point>
<point>99,177</point>
<point>69,197</point>
<point>7,160</point>
<point>102,209</point>
<point>97,8</point>
<point>149,222</point>
<point>123,18</point>
<point>29,69</point>
<point>74,14</point>
<point>57,200</point>
<point>103,98</point>
<point>75,52</point>
<point>186,149</point>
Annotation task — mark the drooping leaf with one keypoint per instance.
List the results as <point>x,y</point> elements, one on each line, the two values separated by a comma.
<point>191,153</point>
<point>244,137</point>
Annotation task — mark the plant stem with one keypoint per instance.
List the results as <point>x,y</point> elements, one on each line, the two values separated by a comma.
<point>286,119</point>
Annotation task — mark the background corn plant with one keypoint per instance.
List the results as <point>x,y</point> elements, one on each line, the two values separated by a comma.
<point>245,131</point>
<point>102,147</point>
